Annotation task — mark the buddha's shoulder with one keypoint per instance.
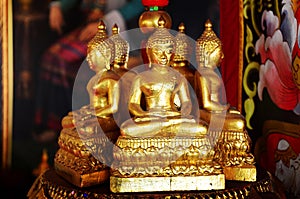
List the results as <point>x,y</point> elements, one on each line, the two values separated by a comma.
<point>112,75</point>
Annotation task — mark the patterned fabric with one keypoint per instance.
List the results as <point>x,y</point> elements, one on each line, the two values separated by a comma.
<point>94,4</point>
<point>59,67</point>
<point>278,151</point>
<point>61,62</point>
<point>270,93</point>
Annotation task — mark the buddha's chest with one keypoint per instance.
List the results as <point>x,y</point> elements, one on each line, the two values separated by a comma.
<point>160,89</point>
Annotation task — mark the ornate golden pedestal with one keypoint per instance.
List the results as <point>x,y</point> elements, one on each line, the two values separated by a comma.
<point>235,156</point>
<point>241,173</point>
<point>232,145</point>
<point>84,175</point>
<point>164,164</point>
<point>76,161</point>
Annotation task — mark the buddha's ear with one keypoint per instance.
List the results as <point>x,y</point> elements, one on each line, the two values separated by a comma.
<point>172,56</point>
<point>108,61</point>
<point>148,52</point>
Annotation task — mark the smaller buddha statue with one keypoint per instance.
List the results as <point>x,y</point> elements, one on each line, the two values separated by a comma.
<point>85,142</point>
<point>162,147</point>
<point>120,67</point>
<point>227,125</point>
<point>181,62</point>
<point>103,87</point>
<point>208,82</point>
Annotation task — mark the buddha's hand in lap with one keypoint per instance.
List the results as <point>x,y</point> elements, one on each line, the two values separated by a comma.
<point>234,110</point>
<point>163,113</point>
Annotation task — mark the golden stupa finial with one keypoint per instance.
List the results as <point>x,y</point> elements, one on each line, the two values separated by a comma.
<point>154,9</point>
<point>207,43</point>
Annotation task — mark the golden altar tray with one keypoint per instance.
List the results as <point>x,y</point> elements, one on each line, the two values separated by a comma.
<point>51,185</point>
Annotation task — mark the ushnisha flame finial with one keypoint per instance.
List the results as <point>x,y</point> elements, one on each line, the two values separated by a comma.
<point>115,29</point>
<point>181,27</point>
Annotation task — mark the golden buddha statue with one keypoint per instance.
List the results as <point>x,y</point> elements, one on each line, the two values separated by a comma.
<point>85,151</point>
<point>159,85</point>
<point>103,87</point>
<point>120,67</point>
<point>227,125</point>
<point>162,148</point>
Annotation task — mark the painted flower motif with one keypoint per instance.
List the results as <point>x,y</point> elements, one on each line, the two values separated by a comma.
<point>275,49</point>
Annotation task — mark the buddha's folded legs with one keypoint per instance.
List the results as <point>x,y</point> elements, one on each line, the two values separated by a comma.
<point>163,126</point>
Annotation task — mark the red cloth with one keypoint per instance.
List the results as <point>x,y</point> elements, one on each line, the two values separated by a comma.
<point>230,35</point>
<point>161,3</point>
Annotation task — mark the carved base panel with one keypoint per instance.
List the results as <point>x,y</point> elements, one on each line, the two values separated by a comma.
<point>82,180</point>
<point>178,183</point>
<point>162,149</point>
<point>232,152</point>
<point>163,157</point>
<point>87,144</point>
<point>80,171</point>
<point>240,173</point>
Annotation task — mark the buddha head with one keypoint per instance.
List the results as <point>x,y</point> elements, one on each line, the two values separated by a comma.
<point>100,50</point>
<point>209,48</point>
<point>183,50</point>
<point>121,48</point>
<point>160,45</point>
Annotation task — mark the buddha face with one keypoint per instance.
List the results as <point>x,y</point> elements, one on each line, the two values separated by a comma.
<point>160,54</point>
<point>97,61</point>
<point>215,58</point>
